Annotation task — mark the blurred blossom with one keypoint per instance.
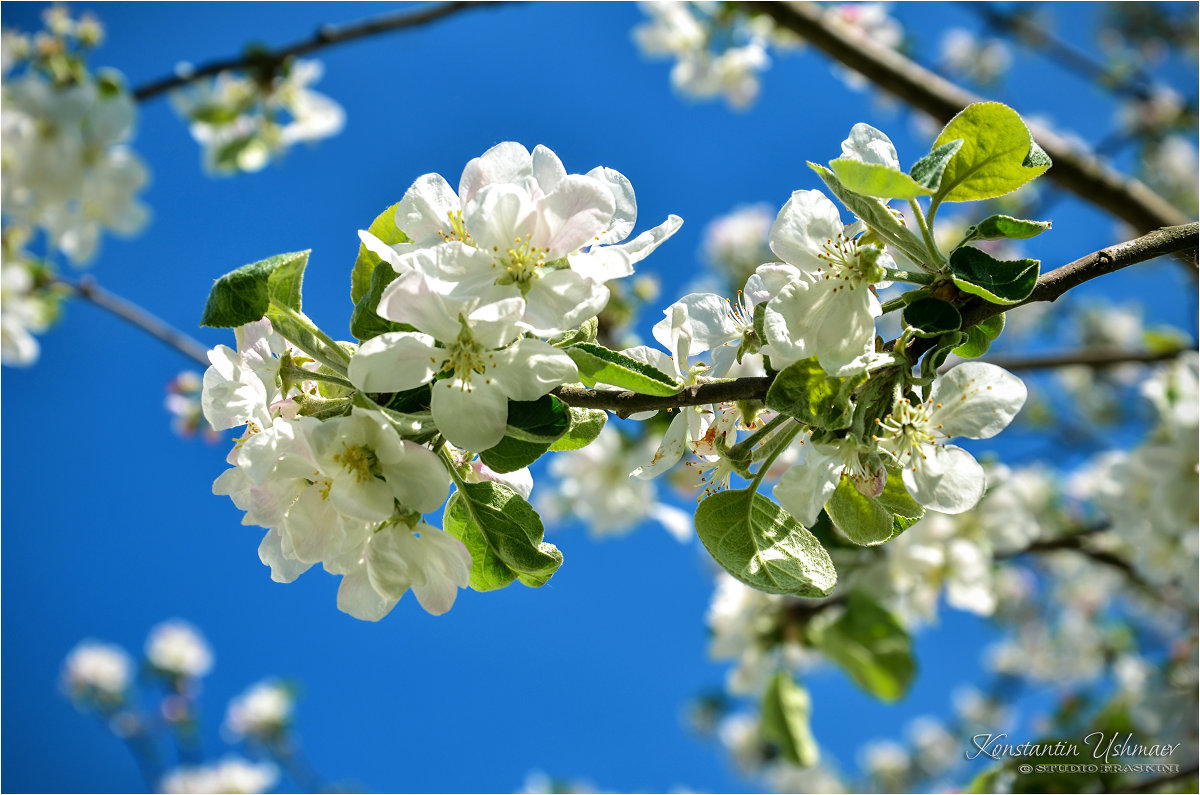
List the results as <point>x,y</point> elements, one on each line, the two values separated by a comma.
<point>25,309</point>
<point>178,649</point>
<point>232,774</point>
<point>981,60</point>
<point>183,402</point>
<point>935,748</point>
<point>737,243</point>
<point>978,710</point>
<point>740,735</point>
<point>870,22</point>
<point>886,760</point>
<point>97,670</point>
<point>261,713</point>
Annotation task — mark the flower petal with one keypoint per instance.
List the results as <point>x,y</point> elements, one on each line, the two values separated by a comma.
<point>946,478</point>
<point>359,599</point>
<point>504,162</point>
<point>394,362</point>
<point>977,400</point>
<point>805,488</point>
<point>425,211</point>
<point>531,369</point>
<point>472,419</point>
<point>803,226</point>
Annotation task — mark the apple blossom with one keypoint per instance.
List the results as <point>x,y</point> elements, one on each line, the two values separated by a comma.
<point>97,669</point>
<point>177,649</point>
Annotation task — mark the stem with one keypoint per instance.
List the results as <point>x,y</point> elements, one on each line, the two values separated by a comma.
<point>1098,359</point>
<point>930,243</point>
<point>898,275</point>
<point>739,450</point>
<point>892,305</point>
<point>325,36</point>
<point>87,289</point>
<point>781,441</point>
<point>310,375</point>
<point>334,357</point>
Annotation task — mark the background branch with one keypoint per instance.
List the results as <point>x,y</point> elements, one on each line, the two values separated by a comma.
<point>87,289</point>
<point>325,36</point>
<point>1097,359</point>
<point>1082,174</point>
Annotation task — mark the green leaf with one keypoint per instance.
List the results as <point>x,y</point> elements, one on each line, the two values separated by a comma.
<point>876,215</point>
<point>980,336</point>
<point>895,498</point>
<point>533,426</point>
<point>803,390</point>
<point>930,317</point>
<point>1001,282</point>
<point>758,543</point>
<point>874,179</point>
<point>860,518</point>
<point>998,154</point>
<point>585,333</point>
<point>999,227</point>
<point>384,228</point>
<point>365,323</point>
<point>599,365</point>
<point>928,170</point>
<point>935,357</point>
<point>586,425</point>
<point>870,644</point>
<point>784,721</point>
<point>244,295</point>
<point>503,534</point>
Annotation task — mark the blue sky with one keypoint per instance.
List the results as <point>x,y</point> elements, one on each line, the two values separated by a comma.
<point>110,526</point>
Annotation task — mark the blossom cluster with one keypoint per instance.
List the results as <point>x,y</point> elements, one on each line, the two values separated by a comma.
<point>244,120</point>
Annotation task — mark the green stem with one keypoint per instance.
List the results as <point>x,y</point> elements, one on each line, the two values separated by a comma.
<point>331,355</point>
<point>927,230</point>
<point>781,441</point>
<point>934,204</point>
<point>898,275</point>
<point>449,462</point>
<point>892,305</point>
<point>309,375</point>
<point>742,448</point>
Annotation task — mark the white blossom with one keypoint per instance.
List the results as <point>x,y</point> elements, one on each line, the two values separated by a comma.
<point>94,668</point>
<point>261,712</point>
<point>177,648</point>
<point>232,774</point>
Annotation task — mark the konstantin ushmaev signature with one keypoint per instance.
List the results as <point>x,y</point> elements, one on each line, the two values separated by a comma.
<point>1097,745</point>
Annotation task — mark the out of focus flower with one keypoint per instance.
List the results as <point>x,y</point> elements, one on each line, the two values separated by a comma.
<point>737,243</point>
<point>183,402</point>
<point>980,60</point>
<point>97,670</point>
<point>177,649</point>
<point>232,774</point>
<point>261,713</point>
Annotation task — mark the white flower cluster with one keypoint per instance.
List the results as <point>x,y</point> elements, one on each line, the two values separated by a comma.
<point>26,307</point>
<point>231,774</point>
<point>521,250</point>
<point>242,121</point>
<point>737,243</point>
<point>95,670</point>
<point>65,168</point>
<point>982,60</point>
<point>685,31</point>
<point>261,713</point>
<point>177,649</point>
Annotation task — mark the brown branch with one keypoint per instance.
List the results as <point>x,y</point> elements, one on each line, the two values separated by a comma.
<point>325,36</point>
<point>625,403</point>
<point>1082,174</point>
<point>1096,359</point>
<point>87,289</point>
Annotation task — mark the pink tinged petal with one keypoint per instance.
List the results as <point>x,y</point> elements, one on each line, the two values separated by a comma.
<point>447,565</point>
<point>313,527</point>
<point>499,218</point>
<point>561,300</point>
<point>283,568</point>
<point>804,224</point>
<point>870,146</point>
<point>574,215</point>
<point>369,499</point>
<point>416,477</point>
<point>978,400</point>
<point>624,216</point>
<point>425,211</point>
<point>520,481</point>
<point>548,170</point>
<point>359,599</point>
<point>641,246</point>
<point>672,448</point>
<point>394,362</point>
<point>472,419</point>
<point>504,162</point>
<point>531,368</point>
<point>946,478</point>
<point>804,489</point>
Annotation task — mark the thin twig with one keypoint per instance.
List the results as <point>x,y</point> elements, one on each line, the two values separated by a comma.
<point>625,403</point>
<point>1096,359</point>
<point>325,36</point>
<point>1080,173</point>
<point>87,289</point>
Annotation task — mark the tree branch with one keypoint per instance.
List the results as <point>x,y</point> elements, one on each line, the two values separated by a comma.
<point>1049,287</point>
<point>325,36</point>
<point>87,289</point>
<point>1097,359</point>
<point>1089,178</point>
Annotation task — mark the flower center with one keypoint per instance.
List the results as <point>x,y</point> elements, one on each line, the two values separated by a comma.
<point>359,460</point>
<point>522,262</point>
<point>850,262</point>
<point>465,356</point>
<point>906,429</point>
<point>457,230</point>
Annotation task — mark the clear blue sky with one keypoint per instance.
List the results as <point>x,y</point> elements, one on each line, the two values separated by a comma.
<point>109,523</point>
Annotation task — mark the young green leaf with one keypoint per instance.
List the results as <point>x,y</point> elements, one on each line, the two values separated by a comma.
<point>928,170</point>
<point>533,426</point>
<point>876,215</point>
<point>870,644</point>
<point>980,336</point>
<point>930,317</point>
<point>758,543</point>
<point>586,425</point>
<point>365,323</point>
<point>599,365</point>
<point>803,390</point>
<point>784,721</point>
<point>1002,282</point>
<point>998,154</point>
<point>503,534</point>
<point>244,295</point>
<point>860,518</point>
<point>875,179</point>
<point>998,227</point>
<point>384,228</point>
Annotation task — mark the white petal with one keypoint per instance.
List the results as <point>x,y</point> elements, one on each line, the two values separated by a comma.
<point>472,420</point>
<point>393,561</point>
<point>383,251</point>
<point>805,488</point>
<point>359,599</point>
<point>283,568</point>
<point>561,300</point>
<point>548,170</point>
<point>504,162</point>
<point>447,566</point>
<point>313,527</point>
<point>425,211</point>
<point>978,400</point>
<point>532,368</point>
<point>802,228</point>
<point>415,299</point>
<point>671,449</point>
<point>500,216</point>
<point>625,215</point>
<point>946,478</point>
<point>602,263</point>
<point>870,146</point>
<point>574,215</point>
<point>641,246</point>
<point>417,477</point>
<point>394,362</point>
<point>369,499</point>
<point>708,318</point>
